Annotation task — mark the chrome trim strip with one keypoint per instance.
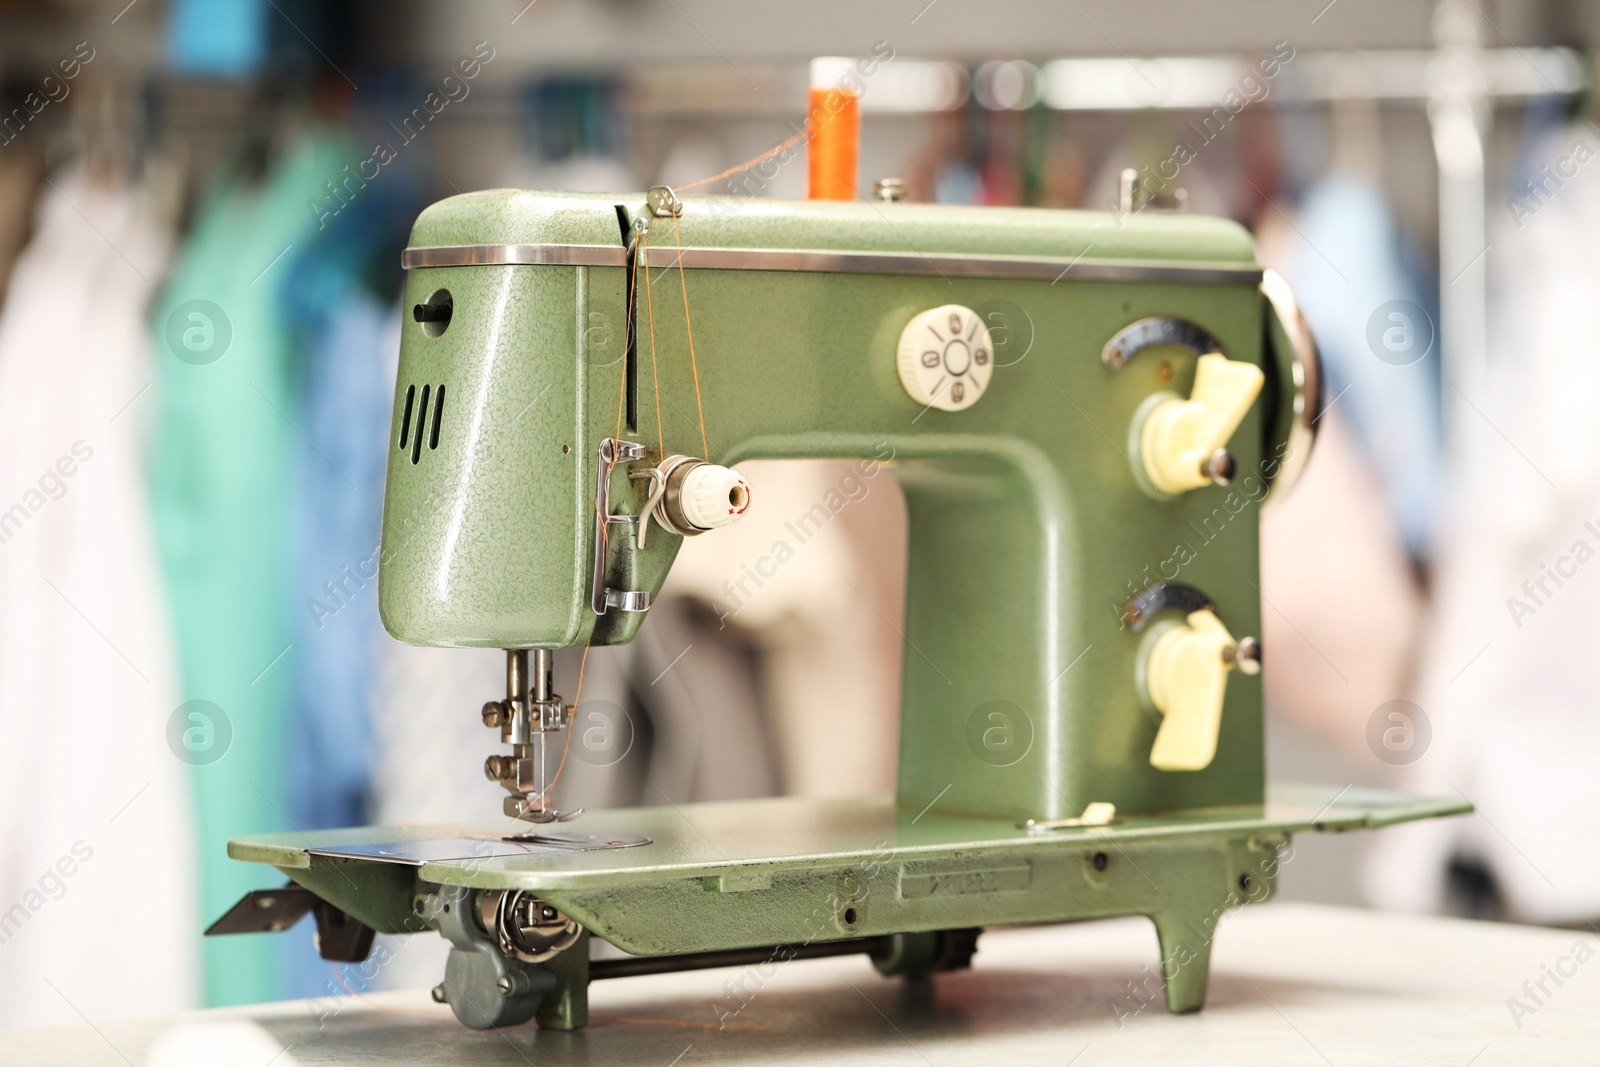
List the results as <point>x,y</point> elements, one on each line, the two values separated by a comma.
<point>532,255</point>
<point>975,266</point>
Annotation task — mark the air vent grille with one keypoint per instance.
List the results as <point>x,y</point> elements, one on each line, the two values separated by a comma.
<point>415,424</point>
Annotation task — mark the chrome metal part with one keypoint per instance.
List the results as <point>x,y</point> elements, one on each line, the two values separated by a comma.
<point>577,841</point>
<point>664,203</point>
<point>628,599</point>
<point>1097,814</point>
<point>670,511</point>
<point>547,710</point>
<point>529,255</point>
<point>1244,655</point>
<point>340,937</point>
<point>658,488</point>
<point>480,847</point>
<point>530,712</point>
<point>667,495</point>
<point>1037,826</point>
<point>890,190</point>
<point>1306,370</point>
<point>906,263</point>
<point>523,926</point>
<point>1220,467</point>
<point>263,911</point>
<point>612,452</point>
<point>535,808</point>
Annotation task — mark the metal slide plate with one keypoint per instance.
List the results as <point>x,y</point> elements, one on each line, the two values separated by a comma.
<point>474,847</point>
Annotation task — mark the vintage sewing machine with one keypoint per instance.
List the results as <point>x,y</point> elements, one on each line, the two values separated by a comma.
<point>1086,413</point>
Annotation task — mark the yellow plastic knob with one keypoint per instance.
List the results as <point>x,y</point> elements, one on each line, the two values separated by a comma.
<point>1186,676</point>
<point>1180,436</point>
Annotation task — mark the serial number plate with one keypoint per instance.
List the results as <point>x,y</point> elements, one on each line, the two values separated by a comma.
<point>929,883</point>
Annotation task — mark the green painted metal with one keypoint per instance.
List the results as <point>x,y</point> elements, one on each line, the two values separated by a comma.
<point>794,870</point>
<point>1029,530</point>
<point>378,894</point>
<point>566,1007</point>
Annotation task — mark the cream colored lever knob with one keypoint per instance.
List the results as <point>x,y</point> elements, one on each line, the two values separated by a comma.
<point>1180,438</point>
<point>1186,677</point>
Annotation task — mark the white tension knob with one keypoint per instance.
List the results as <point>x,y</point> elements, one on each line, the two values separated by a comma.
<point>945,358</point>
<point>713,496</point>
<point>689,496</point>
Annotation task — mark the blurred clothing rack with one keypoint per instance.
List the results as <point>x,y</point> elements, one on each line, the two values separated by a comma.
<point>916,86</point>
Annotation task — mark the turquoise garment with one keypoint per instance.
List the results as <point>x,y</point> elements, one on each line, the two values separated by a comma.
<point>221,475</point>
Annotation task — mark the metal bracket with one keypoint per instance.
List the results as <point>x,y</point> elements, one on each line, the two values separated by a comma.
<point>612,452</point>
<point>341,937</point>
<point>664,203</point>
<point>265,911</point>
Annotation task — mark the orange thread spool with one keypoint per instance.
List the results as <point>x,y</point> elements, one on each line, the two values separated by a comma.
<point>833,129</point>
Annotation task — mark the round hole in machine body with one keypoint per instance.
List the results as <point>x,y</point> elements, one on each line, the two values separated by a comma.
<point>434,315</point>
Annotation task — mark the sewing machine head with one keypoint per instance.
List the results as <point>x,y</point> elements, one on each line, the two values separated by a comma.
<point>1085,412</point>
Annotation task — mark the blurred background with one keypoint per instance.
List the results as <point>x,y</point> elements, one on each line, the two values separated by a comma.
<point>202,206</point>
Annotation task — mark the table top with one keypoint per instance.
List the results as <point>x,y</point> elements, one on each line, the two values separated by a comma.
<point>1291,984</point>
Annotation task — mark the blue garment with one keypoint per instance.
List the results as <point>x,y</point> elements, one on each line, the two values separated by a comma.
<point>347,391</point>
<point>1363,300</point>
<point>348,350</point>
<point>226,38</point>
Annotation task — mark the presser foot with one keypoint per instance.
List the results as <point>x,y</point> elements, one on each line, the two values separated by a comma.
<point>535,809</point>
<point>527,716</point>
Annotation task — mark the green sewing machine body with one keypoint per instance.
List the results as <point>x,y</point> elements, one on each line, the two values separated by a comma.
<point>1029,534</point>
<point>1036,542</point>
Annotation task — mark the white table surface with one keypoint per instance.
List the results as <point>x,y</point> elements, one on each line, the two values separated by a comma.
<point>1291,984</point>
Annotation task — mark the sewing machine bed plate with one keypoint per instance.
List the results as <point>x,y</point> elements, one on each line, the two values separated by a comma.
<point>789,869</point>
<point>697,840</point>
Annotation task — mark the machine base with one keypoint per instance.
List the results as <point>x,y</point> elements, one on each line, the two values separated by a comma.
<point>794,873</point>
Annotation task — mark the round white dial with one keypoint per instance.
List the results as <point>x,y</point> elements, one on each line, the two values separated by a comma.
<point>945,358</point>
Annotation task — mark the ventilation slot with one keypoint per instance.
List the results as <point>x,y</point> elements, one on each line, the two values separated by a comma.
<point>412,432</point>
<point>422,422</point>
<point>405,419</point>
<point>438,413</point>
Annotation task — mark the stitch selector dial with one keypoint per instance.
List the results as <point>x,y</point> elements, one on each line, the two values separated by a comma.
<point>946,357</point>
